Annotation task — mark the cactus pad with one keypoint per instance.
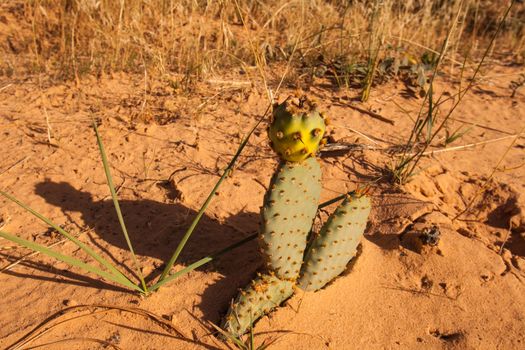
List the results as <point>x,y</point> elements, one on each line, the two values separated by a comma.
<point>290,206</point>
<point>336,244</point>
<point>262,295</point>
<point>296,130</point>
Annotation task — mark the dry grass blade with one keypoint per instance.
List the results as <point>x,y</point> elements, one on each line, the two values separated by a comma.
<point>55,320</point>
<point>117,208</point>
<point>483,187</point>
<point>372,114</point>
<point>105,343</point>
<point>5,87</point>
<point>256,54</point>
<point>109,36</point>
<point>427,49</point>
<point>363,135</point>
<point>405,168</point>
<point>481,126</point>
<point>238,343</point>
<point>14,164</point>
<point>470,145</point>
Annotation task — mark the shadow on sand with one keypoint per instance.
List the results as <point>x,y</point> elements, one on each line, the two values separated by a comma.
<point>155,229</point>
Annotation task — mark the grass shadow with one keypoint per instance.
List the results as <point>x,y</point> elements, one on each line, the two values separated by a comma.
<point>155,228</point>
<point>68,276</point>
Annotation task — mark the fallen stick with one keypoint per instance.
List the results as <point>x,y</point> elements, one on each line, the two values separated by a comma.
<point>464,146</point>
<point>372,114</point>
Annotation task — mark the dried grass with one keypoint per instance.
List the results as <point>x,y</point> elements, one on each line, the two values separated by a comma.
<point>193,39</point>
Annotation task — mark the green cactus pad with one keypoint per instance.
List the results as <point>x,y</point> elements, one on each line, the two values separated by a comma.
<point>264,294</point>
<point>336,244</point>
<point>296,130</point>
<point>290,206</point>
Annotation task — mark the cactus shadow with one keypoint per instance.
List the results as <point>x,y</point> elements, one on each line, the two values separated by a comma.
<point>155,229</point>
<point>384,241</point>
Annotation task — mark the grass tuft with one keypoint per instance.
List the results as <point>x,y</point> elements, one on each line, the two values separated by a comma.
<point>424,130</point>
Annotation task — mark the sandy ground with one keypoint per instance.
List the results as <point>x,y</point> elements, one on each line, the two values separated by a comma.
<point>167,150</point>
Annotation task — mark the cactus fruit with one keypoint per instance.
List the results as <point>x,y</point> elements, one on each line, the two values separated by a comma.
<point>290,206</point>
<point>263,294</point>
<point>296,130</point>
<point>336,244</point>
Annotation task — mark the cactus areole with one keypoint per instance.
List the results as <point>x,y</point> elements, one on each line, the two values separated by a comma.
<point>336,244</point>
<point>289,208</point>
<point>297,129</point>
<point>265,293</point>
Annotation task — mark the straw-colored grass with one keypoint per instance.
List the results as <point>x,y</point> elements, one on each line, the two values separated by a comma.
<point>428,125</point>
<point>187,39</point>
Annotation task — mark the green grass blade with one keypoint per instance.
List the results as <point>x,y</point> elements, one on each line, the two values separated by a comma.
<point>117,207</point>
<point>215,255</point>
<point>197,218</point>
<point>200,262</point>
<point>123,279</point>
<point>335,200</point>
<point>69,260</point>
<point>252,337</point>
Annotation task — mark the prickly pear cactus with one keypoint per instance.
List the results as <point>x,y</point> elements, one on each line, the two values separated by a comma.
<point>290,206</point>
<point>296,130</point>
<point>262,295</point>
<point>336,244</point>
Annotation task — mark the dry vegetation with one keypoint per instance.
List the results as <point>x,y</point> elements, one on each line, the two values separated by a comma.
<point>187,40</point>
<point>155,62</point>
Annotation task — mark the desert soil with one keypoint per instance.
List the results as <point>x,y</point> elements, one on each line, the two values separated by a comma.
<point>167,149</point>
